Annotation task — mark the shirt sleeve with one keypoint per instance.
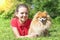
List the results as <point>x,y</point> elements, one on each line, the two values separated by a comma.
<point>14,22</point>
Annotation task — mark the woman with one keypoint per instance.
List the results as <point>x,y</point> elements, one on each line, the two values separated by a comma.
<point>20,22</point>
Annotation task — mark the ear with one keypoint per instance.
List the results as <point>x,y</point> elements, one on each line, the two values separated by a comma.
<point>37,13</point>
<point>48,17</point>
<point>45,11</point>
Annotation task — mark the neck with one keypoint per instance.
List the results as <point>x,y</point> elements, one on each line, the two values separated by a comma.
<point>22,22</point>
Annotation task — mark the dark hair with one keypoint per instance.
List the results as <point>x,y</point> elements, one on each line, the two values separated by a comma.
<point>21,5</point>
<point>18,6</point>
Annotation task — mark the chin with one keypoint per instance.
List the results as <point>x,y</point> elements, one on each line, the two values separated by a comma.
<point>40,24</point>
<point>23,20</point>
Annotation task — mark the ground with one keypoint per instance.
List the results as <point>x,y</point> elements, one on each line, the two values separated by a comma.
<point>6,32</point>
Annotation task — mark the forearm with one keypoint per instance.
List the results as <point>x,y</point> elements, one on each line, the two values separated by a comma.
<point>15,31</point>
<point>31,35</point>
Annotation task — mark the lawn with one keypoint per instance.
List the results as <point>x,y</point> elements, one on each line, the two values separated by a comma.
<point>7,34</point>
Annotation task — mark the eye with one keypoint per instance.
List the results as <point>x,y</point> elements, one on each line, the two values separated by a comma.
<point>39,18</point>
<point>22,13</point>
<point>26,13</point>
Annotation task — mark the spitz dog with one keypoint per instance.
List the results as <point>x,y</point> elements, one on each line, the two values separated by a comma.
<point>40,24</point>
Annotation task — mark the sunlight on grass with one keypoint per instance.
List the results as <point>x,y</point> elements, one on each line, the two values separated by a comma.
<point>5,5</point>
<point>2,2</point>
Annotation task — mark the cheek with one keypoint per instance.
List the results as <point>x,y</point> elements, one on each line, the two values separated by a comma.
<point>26,15</point>
<point>19,15</point>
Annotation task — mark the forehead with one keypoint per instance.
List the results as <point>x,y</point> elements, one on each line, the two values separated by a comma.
<point>22,9</point>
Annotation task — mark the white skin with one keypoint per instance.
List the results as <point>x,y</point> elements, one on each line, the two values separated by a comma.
<point>22,14</point>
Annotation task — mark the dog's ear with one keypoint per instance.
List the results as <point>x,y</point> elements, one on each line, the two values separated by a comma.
<point>37,13</point>
<point>45,12</point>
<point>48,17</point>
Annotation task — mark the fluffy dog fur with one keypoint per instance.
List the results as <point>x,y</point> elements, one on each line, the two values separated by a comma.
<point>40,24</point>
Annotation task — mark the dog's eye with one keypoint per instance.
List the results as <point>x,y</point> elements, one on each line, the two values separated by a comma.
<point>40,19</point>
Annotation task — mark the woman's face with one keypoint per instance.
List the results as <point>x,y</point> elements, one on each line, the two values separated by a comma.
<point>22,14</point>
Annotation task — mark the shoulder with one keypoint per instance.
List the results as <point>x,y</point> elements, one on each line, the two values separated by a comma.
<point>13,21</point>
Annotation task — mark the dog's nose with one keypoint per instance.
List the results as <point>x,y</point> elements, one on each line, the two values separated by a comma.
<point>43,20</point>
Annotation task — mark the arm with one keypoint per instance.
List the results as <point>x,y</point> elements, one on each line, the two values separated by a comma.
<point>32,35</point>
<point>15,31</point>
<point>14,27</point>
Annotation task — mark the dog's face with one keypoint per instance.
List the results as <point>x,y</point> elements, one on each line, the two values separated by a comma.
<point>41,16</point>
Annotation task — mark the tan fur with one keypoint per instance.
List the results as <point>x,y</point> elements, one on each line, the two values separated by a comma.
<point>37,28</point>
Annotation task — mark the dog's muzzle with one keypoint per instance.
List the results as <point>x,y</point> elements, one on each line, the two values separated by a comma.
<point>42,19</point>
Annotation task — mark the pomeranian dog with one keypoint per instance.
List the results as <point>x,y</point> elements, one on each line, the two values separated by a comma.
<point>40,24</point>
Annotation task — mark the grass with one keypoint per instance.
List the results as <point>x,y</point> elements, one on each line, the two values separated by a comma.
<point>7,34</point>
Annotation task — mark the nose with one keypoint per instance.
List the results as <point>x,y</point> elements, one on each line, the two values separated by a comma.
<point>42,20</point>
<point>24,14</point>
